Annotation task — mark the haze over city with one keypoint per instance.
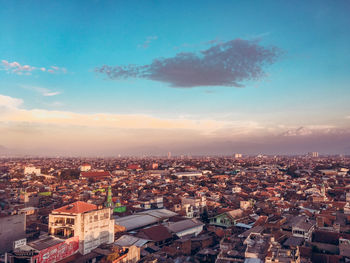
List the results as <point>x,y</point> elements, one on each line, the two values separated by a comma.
<point>89,78</point>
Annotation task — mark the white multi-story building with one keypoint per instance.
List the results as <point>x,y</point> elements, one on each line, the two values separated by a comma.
<point>152,202</point>
<point>196,201</point>
<point>85,167</point>
<point>32,170</point>
<point>313,154</point>
<point>236,189</point>
<point>303,229</point>
<point>238,155</point>
<point>93,226</point>
<point>189,175</point>
<point>197,205</point>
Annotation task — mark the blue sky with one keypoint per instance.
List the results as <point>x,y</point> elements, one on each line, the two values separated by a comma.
<point>306,86</point>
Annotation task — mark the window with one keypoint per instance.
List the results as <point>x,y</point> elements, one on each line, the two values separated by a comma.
<point>59,220</point>
<point>70,221</point>
<point>299,232</point>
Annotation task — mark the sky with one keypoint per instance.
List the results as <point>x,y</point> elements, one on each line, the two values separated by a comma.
<point>103,78</point>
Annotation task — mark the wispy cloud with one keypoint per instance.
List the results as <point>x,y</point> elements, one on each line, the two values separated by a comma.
<point>49,94</point>
<point>55,69</point>
<point>43,91</point>
<point>148,41</point>
<point>19,69</point>
<point>210,126</point>
<point>9,102</point>
<point>225,64</point>
<point>126,121</point>
<point>65,130</point>
<point>313,130</point>
<point>300,131</point>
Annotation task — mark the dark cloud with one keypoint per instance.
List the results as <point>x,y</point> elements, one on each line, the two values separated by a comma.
<point>225,64</point>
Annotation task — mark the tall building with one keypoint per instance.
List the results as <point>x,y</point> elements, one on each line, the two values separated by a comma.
<point>93,226</point>
<point>313,154</point>
<point>169,155</point>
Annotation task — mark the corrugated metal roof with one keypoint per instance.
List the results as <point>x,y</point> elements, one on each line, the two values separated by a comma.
<point>127,241</point>
<point>135,221</point>
<point>160,213</point>
<point>45,243</point>
<point>243,225</point>
<point>144,218</point>
<point>184,225</point>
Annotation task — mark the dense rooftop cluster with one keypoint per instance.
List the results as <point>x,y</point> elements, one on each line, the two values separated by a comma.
<point>186,209</point>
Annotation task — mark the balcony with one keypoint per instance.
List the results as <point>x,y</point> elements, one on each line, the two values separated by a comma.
<point>62,224</point>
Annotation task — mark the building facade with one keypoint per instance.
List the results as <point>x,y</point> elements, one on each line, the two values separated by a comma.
<point>32,170</point>
<point>93,226</point>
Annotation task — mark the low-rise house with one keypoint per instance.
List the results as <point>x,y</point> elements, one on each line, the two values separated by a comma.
<point>129,254</point>
<point>344,247</point>
<point>232,249</point>
<point>151,202</point>
<point>278,254</point>
<point>227,219</point>
<point>257,246</point>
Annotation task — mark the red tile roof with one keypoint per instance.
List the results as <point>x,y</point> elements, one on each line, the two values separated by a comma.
<point>76,208</point>
<point>156,233</point>
<point>261,221</point>
<point>92,174</point>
